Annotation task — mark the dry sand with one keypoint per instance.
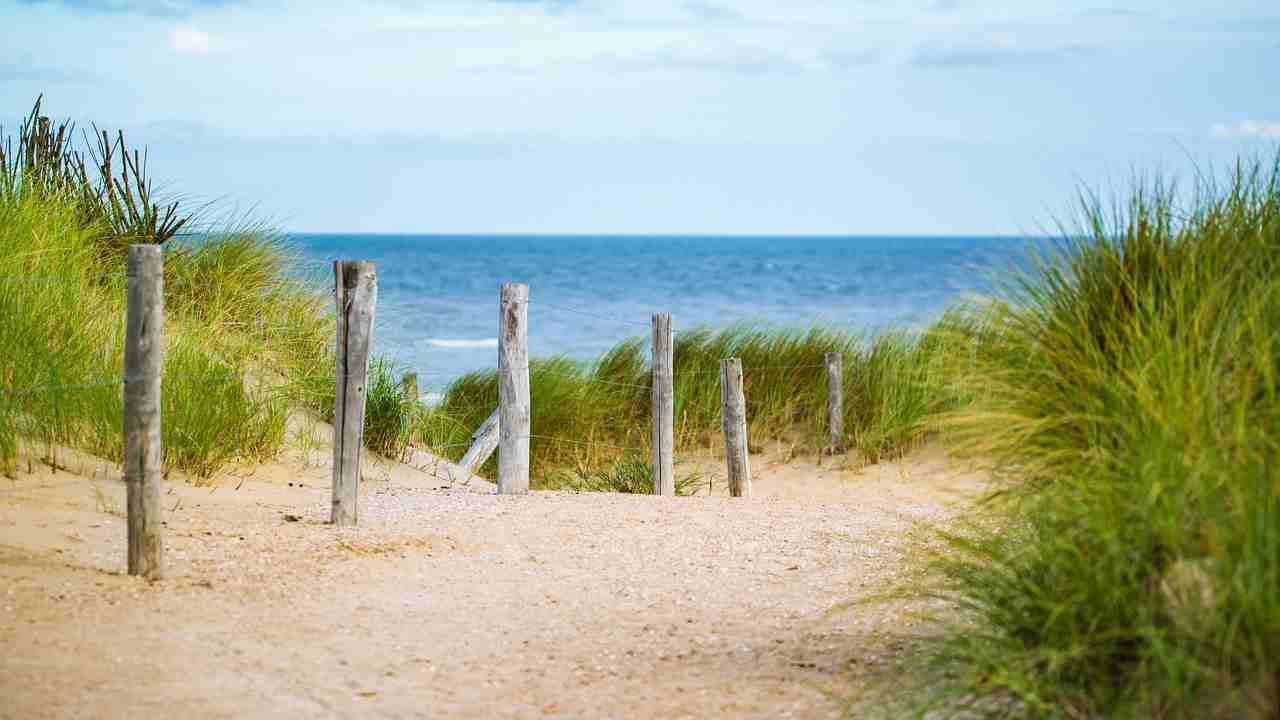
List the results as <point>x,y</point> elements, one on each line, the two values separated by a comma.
<point>450,601</point>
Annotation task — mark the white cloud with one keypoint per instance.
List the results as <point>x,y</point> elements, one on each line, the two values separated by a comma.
<point>1247,129</point>
<point>189,41</point>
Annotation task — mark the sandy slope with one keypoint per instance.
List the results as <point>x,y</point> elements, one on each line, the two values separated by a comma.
<point>452,601</point>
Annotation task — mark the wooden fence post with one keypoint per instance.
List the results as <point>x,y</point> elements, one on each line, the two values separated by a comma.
<point>734,414</point>
<point>143,366</point>
<point>483,442</point>
<point>835,400</point>
<point>513,390</point>
<point>664,481</point>
<point>42,144</point>
<point>409,388</point>
<point>356,294</point>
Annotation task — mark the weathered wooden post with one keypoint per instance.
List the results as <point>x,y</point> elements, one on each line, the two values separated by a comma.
<point>42,141</point>
<point>409,388</point>
<point>483,442</point>
<point>734,414</point>
<point>143,366</point>
<point>513,390</point>
<point>663,399</point>
<point>835,400</point>
<point>356,294</point>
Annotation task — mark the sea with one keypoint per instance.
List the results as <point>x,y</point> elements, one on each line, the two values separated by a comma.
<point>437,311</point>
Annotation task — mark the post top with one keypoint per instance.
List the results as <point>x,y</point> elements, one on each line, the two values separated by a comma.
<point>144,260</point>
<point>144,249</point>
<point>349,271</point>
<point>515,291</point>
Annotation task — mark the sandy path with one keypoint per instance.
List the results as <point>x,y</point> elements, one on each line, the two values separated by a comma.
<point>456,602</point>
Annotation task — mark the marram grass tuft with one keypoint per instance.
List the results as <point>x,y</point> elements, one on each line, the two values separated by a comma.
<point>1126,393</point>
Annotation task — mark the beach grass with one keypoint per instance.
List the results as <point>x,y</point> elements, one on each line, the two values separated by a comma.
<point>1127,393</point>
<point>249,340</point>
<point>244,332</point>
<point>588,416</point>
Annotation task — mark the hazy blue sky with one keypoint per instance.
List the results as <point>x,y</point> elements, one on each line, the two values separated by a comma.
<point>752,116</point>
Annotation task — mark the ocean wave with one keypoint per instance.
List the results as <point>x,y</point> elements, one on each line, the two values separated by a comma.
<point>462,343</point>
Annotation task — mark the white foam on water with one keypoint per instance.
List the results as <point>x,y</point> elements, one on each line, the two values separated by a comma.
<point>462,343</point>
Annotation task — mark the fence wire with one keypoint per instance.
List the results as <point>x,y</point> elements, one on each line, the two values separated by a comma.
<point>547,438</point>
<point>430,446</point>
<point>597,381</point>
<point>590,314</point>
<point>584,443</point>
<point>746,370</point>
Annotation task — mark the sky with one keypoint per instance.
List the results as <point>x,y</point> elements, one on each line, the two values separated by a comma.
<point>654,116</point>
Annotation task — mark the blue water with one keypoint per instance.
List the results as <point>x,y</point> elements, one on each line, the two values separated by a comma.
<point>438,295</point>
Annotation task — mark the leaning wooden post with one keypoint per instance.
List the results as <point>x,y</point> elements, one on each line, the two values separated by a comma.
<point>483,442</point>
<point>734,414</point>
<point>664,482</point>
<point>143,365</point>
<point>356,295</point>
<point>835,400</point>
<point>513,390</point>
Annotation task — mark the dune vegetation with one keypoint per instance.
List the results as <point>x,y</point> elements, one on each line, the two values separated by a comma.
<point>249,340</point>
<point>244,332</point>
<point>1127,395</point>
<point>591,416</point>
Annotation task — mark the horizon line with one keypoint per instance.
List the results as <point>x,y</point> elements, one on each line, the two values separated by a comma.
<point>698,235</point>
